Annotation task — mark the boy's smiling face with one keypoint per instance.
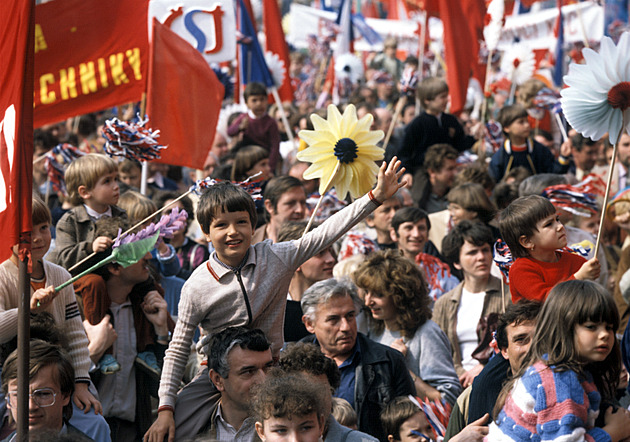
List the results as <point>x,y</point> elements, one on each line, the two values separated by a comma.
<point>231,235</point>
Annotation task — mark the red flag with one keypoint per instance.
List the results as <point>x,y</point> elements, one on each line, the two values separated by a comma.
<point>277,44</point>
<point>183,100</point>
<point>458,51</point>
<point>17,24</point>
<point>89,55</point>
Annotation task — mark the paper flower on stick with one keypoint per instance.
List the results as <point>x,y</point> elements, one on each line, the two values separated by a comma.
<point>342,151</point>
<point>495,19</point>
<point>518,63</point>
<point>57,160</point>
<point>598,97</point>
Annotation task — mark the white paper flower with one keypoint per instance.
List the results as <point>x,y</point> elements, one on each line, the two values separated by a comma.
<point>276,67</point>
<point>495,20</point>
<point>350,67</point>
<point>518,63</point>
<point>598,97</point>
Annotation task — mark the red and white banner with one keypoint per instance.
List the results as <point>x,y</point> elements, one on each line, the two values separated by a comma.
<point>209,26</point>
<point>16,124</point>
<point>582,21</point>
<point>89,55</point>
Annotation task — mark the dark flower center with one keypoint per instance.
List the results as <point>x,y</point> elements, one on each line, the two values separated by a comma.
<point>619,96</point>
<point>346,150</point>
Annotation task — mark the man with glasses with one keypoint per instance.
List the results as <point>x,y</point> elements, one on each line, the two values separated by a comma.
<point>51,384</point>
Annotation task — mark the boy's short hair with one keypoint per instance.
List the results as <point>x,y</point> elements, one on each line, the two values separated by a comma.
<point>509,114</point>
<point>40,212</point>
<point>224,197</point>
<point>396,413</point>
<point>283,395</point>
<point>475,233</point>
<point>520,218</point>
<point>409,214</point>
<point>436,154</point>
<point>429,88</point>
<point>127,165</point>
<point>308,358</point>
<point>254,88</point>
<point>343,412</point>
<point>86,171</point>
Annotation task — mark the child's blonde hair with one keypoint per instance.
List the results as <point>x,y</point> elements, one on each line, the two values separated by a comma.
<point>343,412</point>
<point>137,206</point>
<point>86,171</point>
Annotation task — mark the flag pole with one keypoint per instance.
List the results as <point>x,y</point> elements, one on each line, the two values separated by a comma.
<point>283,115</point>
<point>24,337</point>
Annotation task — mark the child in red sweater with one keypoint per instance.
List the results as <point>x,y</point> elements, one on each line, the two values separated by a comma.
<point>532,230</point>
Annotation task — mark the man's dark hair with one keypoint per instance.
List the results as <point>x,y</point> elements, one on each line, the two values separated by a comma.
<point>579,141</point>
<point>276,187</point>
<point>475,233</point>
<point>306,357</point>
<point>223,342</point>
<point>409,214</point>
<point>522,311</point>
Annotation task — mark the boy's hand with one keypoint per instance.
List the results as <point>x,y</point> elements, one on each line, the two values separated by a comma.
<point>85,400</point>
<point>163,426</point>
<point>589,270</point>
<point>387,183</point>
<point>243,124</point>
<point>617,423</point>
<point>101,244</point>
<point>468,377</point>
<point>42,298</point>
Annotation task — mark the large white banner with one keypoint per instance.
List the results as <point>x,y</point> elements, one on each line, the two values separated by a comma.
<point>307,22</point>
<point>585,19</point>
<point>581,21</point>
<point>209,26</point>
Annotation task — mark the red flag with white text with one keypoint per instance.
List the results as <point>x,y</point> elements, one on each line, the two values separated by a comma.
<point>184,98</point>
<point>17,24</point>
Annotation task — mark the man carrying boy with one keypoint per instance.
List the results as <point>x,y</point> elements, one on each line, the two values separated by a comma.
<point>435,179</point>
<point>519,149</point>
<point>93,190</point>
<point>256,126</point>
<point>432,126</point>
<point>248,284</point>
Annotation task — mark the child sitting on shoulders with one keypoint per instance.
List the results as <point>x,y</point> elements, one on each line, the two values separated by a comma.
<point>93,190</point>
<point>521,150</point>
<point>256,126</point>
<point>244,284</point>
<point>532,230</point>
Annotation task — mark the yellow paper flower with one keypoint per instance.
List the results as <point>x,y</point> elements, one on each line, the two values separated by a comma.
<point>342,151</point>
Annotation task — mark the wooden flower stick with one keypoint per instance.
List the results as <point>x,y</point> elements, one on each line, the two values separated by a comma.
<point>321,198</point>
<point>607,193</point>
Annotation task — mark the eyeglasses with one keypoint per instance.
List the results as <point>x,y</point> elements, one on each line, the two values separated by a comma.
<point>43,397</point>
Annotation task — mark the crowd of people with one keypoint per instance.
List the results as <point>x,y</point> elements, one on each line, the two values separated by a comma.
<point>386,320</point>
